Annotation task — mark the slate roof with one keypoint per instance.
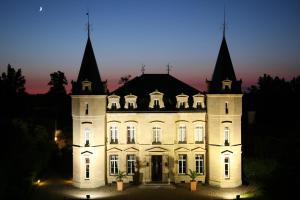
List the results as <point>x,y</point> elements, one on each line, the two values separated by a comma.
<point>223,71</point>
<point>89,71</point>
<point>145,84</point>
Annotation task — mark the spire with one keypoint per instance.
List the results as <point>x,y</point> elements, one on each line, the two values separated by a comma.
<point>224,23</point>
<point>88,28</point>
<point>89,80</point>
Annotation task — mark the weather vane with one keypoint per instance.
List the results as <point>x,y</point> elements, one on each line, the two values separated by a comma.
<point>143,68</point>
<point>169,68</point>
<point>88,25</point>
<point>224,23</point>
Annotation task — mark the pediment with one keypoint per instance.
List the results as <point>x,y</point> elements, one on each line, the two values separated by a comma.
<point>86,152</point>
<point>157,149</point>
<point>114,149</point>
<point>226,152</point>
<point>182,149</point>
<point>198,149</point>
<point>131,149</point>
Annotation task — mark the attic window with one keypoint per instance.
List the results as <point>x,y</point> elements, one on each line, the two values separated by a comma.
<point>86,85</point>
<point>182,101</point>
<point>156,100</point>
<point>113,102</point>
<point>226,84</point>
<point>198,101</point>
<point>130,102</point>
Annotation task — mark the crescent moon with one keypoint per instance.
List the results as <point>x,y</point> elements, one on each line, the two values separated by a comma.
<point>41,8</point>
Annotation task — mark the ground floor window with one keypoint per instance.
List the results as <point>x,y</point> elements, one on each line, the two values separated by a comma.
<point>130,164</point>
<point>226,167</point>
<point>87,168</point>
<point>182,164</point>
<point>199,163</point>
<point>114,165</point>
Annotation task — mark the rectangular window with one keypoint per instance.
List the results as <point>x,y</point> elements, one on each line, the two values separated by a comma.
<point>87,133</point>
<point>86,108</point>
<point>226,107</point>
<point>226,167</point>
<point>182,134</point>
<point>114,165</point>
<point>130,134</point>
<point>156,103</point>
<point>182,164</point>
<point>199,164</point>
<point>130,106</point>
<point>199,134</point>
<point>226,136</point>
<point>156,134</point>
<point>114,135</point>
<point>113,106</point>
<point>87,168</point>
<point>130,164</point>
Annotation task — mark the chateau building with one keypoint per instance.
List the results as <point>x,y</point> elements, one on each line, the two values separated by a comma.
<point>156,127</point>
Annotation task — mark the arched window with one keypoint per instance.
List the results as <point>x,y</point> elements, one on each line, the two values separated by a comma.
<point>226,136</point>
<point>87,133</point>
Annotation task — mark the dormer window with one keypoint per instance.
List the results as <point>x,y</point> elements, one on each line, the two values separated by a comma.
<point>86,86</point>
<point>226,84</point>
<point>198,101</point>
<point>130,102</point>
<point>182,101</point>
<point>156,100</point>
<point>113,102</point>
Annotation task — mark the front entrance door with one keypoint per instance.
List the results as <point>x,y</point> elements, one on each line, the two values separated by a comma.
<point>156,168</point>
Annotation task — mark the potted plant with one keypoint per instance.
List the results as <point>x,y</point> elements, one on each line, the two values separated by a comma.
<point>120,184</point>
<point>193,175</point>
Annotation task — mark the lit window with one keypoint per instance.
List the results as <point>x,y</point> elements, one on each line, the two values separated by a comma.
<point>87,133</point>
<point>182,164</point>
<point>130,134</point>
<point>199,163</point>
<point>156,134</point>
<point>130,164</point>
<point>114,165</point>
<point>226,167</point>
<point>226,136</point>
<point>199,134</point>
<point>87,168</point>
<point>182,134</point>
<point>114,135</point>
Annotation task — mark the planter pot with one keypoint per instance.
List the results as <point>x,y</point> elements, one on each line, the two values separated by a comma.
<point>193,185</point>
<point>120,185</point>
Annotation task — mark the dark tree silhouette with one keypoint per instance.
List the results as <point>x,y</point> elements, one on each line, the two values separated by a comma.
<point>57,83</point>
<point>12,82</point>
<point>124,79</point>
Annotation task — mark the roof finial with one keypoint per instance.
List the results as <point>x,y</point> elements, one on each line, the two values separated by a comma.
<point>88,15</point>
<point>143,68</point>
<point>224,23</point>
<point>169,68</point>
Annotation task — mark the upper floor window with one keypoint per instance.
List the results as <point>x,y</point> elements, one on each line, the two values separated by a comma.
<point>226,107</point>
<point>113,102</point>
<point>182,101</point>
<point>226,136</point>
<point>130,134</point>
<point>130,102</point>
<point>182,164</point>
<point>87,168</point>
<point>156,100</point>
<point>199,158</point>
<point>114,135</point>
<point>199,134</point>
<point>226,168</point>
<point>226,84</point>
<point>114,106</point>
<point>86,85</point>
<point>182,134</point>
<point>86,108</point>
<point>87,133</point>
<point>131,164</point>
<point>156,135</point>
<point>198,101</point>
<point>114,165</point>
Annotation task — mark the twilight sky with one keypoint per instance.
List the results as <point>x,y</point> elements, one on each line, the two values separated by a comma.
<point>263,37</point>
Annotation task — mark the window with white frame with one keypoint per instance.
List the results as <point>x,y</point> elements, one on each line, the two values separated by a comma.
<point>87,168</point>
<point>199,158</point>
<point>226,136</point>
<point>114,165</point>
<point>182,134</point>
<point>87,133</point>
<point>131,164</point>
<point>114,134</point>
<point>199,134</point>
<point>182,164</point>
<point>156,134</point>
<point>226,168</point>
<point>130,134</point>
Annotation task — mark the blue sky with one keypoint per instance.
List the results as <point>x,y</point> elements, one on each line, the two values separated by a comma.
<point>263,37</point>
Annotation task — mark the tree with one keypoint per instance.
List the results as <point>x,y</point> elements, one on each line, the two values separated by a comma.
<point>124,79</point>
<point>12,82</point>
<point>57,83</point>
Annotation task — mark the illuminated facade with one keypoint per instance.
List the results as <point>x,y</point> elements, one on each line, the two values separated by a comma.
<point>156,128</point>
